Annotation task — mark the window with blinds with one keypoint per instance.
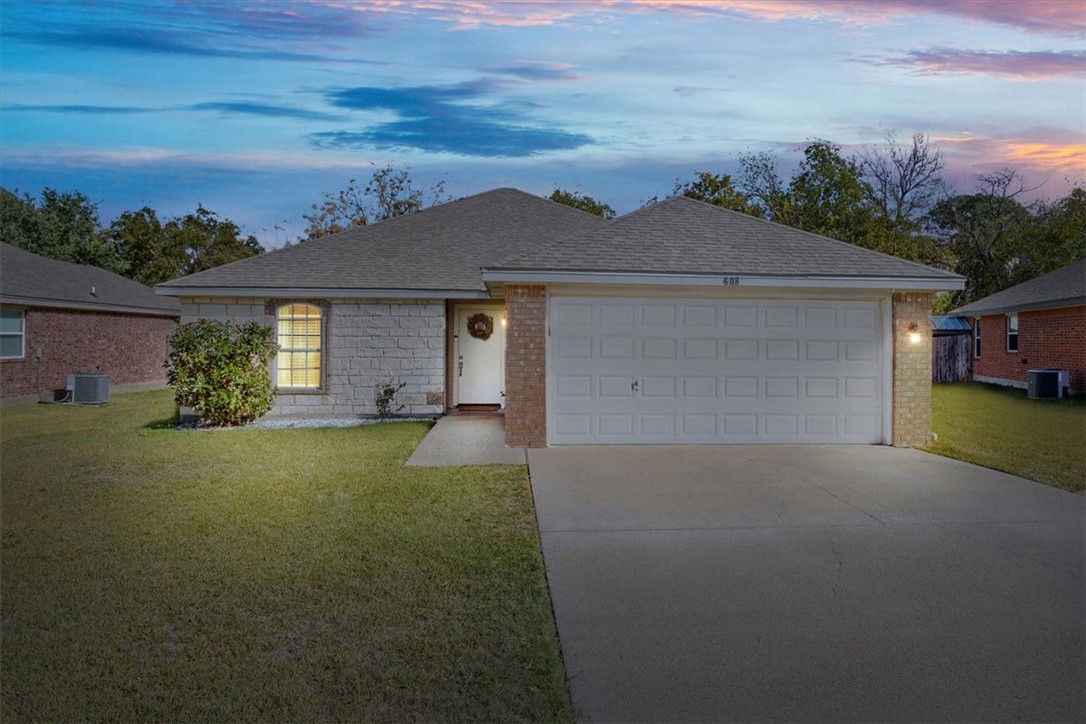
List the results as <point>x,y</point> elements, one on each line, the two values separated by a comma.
<point>299,362</point>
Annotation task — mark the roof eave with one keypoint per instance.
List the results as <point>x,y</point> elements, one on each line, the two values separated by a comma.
<point>319,292</point>
<point>1028,307</point>
<point>24,301</point>
<point>544,276</point>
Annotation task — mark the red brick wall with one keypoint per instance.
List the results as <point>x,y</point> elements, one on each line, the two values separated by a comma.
<point>130,348</point>
<point>525,365</point>
<point>1046,338</point>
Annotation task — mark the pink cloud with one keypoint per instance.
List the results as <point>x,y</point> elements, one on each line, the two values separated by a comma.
<point>1049,17</point>
<point>1039,154</point>
<point>1016,65</point>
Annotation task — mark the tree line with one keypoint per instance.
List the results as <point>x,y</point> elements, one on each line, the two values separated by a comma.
<point>889,198</point>
<point>65,226</point>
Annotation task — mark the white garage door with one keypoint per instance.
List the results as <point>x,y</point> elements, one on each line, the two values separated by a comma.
<point>713,371</point>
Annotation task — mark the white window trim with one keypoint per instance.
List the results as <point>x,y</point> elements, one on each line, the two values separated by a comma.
<point>21,335</point>
<point>976,337</point>
<point>1013,317</point>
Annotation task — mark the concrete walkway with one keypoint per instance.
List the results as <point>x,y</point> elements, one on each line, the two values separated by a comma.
<point>788,583</point>
<point>466,440</point>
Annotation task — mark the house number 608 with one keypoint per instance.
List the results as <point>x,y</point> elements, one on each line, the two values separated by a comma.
<point>731,281</point>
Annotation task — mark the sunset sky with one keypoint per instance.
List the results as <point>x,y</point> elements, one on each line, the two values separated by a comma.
<point>254,108</point>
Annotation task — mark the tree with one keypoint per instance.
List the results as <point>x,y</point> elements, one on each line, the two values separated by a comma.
<point>986,232</point>
<point>830,197</point>
<point>389,192</point>
<point>136,236</point>
<point>905,181</point>
<point>763,188</point>
<point>582,201</point>
<point>1058,238</point>
<point>157,252</point>
<point>717,190</point>
<point>63,225</point>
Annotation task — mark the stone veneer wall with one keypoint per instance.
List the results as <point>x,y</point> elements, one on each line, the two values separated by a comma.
<point>912,371</point>
<point>370,342</point>
<point>525,365</point>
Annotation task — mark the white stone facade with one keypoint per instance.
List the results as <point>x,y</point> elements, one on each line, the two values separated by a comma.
<point>370,342</point>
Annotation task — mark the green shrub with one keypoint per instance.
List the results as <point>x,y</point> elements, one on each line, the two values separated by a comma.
<point>221,370</point>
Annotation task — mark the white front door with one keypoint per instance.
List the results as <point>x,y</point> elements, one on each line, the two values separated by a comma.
<point>479,367</point>
<point>714,371</point>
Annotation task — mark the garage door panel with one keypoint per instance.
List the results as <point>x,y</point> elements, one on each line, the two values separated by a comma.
<point>820,425</point>
<point>740,349</point>
<point>711,371</point>
<point>615,387</point>
<point>577,387</point>
<point>616,347</point>
<point>568,347</point>
<point>653,348</point>
<point>700,315</point>
<point>777,317</point>
<point>740,387</point>
<point>820,318</point>
<point>781,350</point>
<point>658,314</point>
<point>658,386</point>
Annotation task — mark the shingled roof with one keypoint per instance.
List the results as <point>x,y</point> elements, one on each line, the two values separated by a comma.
<point>440,249</point>
<point>1065,287</point>
<point>33,280</point>
<point>684,236</point>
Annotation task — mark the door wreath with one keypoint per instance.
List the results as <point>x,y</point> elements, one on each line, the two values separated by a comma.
<point>481,326</point>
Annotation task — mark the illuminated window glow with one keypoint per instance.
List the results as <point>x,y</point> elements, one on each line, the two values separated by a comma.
<point>299,362</point>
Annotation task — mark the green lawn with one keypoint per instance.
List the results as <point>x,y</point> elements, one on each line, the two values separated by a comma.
<point>1000,428</point>
<point>154,574</point>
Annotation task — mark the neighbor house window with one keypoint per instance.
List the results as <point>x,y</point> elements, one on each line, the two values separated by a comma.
<point>1012,332</point>
<point>976,337</point>
<point>12,334</point>
<point>299,362</point>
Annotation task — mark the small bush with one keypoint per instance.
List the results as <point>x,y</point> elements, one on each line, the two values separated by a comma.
<point>386,398</point>
<point>221,370</point>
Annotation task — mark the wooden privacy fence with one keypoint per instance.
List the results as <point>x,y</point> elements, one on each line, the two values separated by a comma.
<point>951,358</point>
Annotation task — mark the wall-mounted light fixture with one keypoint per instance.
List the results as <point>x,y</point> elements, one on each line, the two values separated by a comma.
<point>503,321</point>
<point>914,333</point>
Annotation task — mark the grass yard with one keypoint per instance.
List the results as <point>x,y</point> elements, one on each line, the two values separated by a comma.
<point>1000,428</point>
<point>155,574</point>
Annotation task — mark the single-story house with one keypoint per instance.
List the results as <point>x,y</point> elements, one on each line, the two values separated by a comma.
<point>58,318</point>
<point>1039,324</point>
<point>678,323</point>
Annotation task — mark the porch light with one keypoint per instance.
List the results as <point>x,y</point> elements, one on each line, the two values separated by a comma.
<point>503,321</point>
<point>914,333</point>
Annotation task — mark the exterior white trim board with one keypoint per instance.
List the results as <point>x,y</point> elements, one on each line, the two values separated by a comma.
<point>725,281</point>
<point>324,293</point>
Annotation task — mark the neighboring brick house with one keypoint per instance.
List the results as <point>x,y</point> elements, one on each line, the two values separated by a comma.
<point>678,323</point>
<point>60,318</point>
<point>1039,324</point>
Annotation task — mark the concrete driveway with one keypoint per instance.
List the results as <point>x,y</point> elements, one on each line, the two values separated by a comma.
<point>788,583</point>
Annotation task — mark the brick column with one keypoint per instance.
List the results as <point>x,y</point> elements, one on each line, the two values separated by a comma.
<point>525,365</point>
<point>912,370</point>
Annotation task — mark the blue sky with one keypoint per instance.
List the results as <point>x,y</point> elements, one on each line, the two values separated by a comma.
<point>255,108</point>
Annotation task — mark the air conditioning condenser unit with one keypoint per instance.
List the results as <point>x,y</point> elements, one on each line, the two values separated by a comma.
<point>88,389</point>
